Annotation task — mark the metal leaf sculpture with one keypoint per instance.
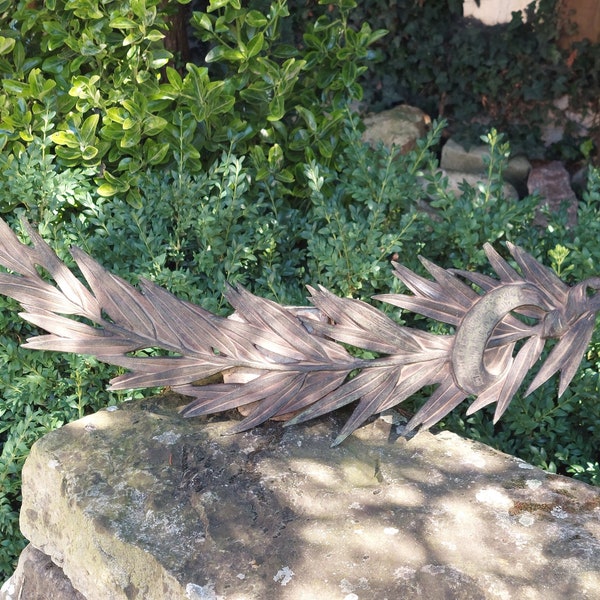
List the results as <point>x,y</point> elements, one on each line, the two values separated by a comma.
<point>300,365</point>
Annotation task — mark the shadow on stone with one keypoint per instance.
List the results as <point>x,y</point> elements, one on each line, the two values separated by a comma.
<point>140,503</point>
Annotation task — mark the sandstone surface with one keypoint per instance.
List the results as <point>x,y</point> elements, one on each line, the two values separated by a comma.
<point>139,503</point>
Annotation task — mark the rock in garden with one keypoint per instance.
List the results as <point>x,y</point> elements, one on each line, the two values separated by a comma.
<point>552,182</point>
<point>455,179</point>
<point>38,577</point>
<point>139,503</point>
<point>400,127</point>
<point>455,157</point>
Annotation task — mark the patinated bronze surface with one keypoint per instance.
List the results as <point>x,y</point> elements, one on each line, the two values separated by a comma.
<point>300,365</point>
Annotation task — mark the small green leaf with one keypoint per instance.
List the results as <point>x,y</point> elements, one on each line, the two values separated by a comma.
<point>106,190</point>
<point>88,128</point>
<point>69,155</point>
<point>153,124</point>
<point>65,138</point>
<point>255,18</point>
<point>26,136</point>
<point>276,109</point>
<point>285,176</point>
<point>325,148</point>
<point>275,157</point>
<point>132,40</point>
<point>155,35</point>
<point>349,73</point>
<point>202,21</point>
<point>174,78</point>
<point>129,123</point>
<point>313,41</point>
<point>216,4</point>
<point>112,180</point>
<point>255,45</point>
<point>219,53</point>
<point>156,153</point>
<point>6,45</point>
<point>117,114</point>
<point>159,58</point>
<point>257,93</point>
<point>14,87</point>
<point>139,8</point>
<point>123,23</point>
<point>376,35</point>
<point>308,117</point>
<point>134,198</point>
<point>89,153</point>
<point>131,137</point>
<point>54,65</point>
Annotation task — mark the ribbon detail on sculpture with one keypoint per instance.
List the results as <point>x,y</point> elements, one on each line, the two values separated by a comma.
<point>477,327</point>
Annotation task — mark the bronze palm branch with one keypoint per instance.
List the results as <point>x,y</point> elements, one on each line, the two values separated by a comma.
<point>300,364</point>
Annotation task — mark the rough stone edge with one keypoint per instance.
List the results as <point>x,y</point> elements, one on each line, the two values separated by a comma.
<point>35,572</point>
<point>190,593</point>
<point>126,577</point>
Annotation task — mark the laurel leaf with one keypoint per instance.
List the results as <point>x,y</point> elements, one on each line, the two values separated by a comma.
<point>446,397</point>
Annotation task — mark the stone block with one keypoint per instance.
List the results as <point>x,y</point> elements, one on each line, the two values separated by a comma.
<point>38,577</point>
<point>139,503</point>
<point>553,183</point>
<point>399,127</point>
<point>457,158</point>
<point>456,178</point>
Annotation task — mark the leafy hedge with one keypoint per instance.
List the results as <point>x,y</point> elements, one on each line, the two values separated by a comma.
<point>511,76</point>
<point>248,168</point>
<point>95,82</point>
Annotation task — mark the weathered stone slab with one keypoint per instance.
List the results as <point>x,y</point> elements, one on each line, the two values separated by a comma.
<point>456,157</point>
<point>455,179</point>
<point>139,503</point>
<point>399,127</point>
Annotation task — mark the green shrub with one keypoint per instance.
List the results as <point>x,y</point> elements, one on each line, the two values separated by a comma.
<point>364,214</point>
<point>477,214</point>
<point>508,76</point>
<point>104,143</point>
<point>40,392</point>
<point>95,82</point>
<point>78,61</point>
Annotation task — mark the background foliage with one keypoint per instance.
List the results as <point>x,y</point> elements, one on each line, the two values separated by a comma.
<point>512,76</point>
<point>247,166</point>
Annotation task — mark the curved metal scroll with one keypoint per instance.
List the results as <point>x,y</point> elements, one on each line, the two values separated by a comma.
<point>477,327</point>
